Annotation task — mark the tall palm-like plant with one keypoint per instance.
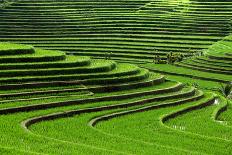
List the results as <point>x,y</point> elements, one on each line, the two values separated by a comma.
<point>226,90</point>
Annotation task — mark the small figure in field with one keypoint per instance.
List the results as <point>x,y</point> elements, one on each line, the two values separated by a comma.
<point>201,53</point>
<point>108,56</point>
<point>154,59</point>
<point>158,59</point>
<point>169,57</point>
<point>181,57</point>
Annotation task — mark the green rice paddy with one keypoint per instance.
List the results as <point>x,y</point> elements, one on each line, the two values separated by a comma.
<point>81,77</point>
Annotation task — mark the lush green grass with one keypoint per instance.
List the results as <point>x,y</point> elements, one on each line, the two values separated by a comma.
<point>202,84</point>
<point>12,49</point>
<point>170,69</point>
<point>151,91</point>
<point>202,122</point>
<point>70,61</point>
<point>225,117</point>
<point>51,103</point>
<point>36,101</point>
<point>32,140</point>
<point>138,130</point>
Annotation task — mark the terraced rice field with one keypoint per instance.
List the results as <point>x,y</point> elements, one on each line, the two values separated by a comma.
<point>130,29</point>
<point>214,65</point>
<point>59,94</point>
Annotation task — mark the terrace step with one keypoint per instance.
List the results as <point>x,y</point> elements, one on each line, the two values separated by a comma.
<point>218,57</point>
<point>94,67</point>
<point>209,65</point>
<point>204,102</point>
<point>81,77</point>
<point>152,79</point>
<point>189,93</point>
<point>211,62</point>
<point>70,61</point>
<point>38,56</point>
<point>201,67</point>
<point>103,108</point>
<point>187,72</point>
<point>15,49</point>
<point>153,85</point>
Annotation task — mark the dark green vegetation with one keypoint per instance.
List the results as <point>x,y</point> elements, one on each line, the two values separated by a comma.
<point>75,102</point>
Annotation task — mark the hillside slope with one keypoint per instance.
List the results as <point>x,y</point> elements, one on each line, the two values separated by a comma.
<point>215,65</point>
<point>132,30</point>
<point>71,105</point>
